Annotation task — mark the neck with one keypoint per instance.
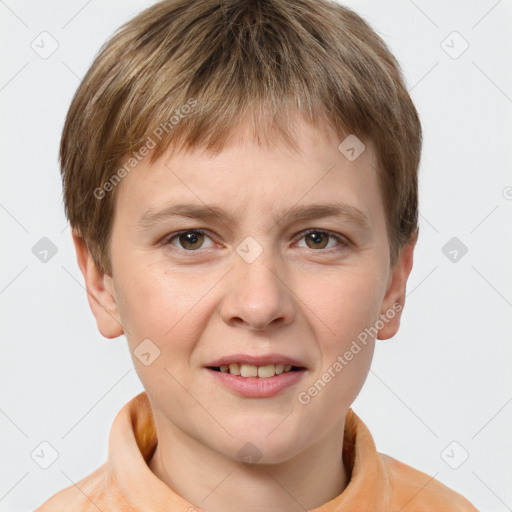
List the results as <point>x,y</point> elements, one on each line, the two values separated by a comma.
<point>214,482</point>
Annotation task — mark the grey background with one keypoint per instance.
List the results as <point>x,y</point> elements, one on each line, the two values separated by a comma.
<point>445,377</point>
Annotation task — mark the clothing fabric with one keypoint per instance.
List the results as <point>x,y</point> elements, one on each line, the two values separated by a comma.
<point>125,483</point>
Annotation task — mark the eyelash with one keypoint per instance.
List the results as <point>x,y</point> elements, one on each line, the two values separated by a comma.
<point>344,242</point>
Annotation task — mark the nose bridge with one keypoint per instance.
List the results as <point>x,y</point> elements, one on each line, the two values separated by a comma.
<point>257,295</point>
<point>257,264</point>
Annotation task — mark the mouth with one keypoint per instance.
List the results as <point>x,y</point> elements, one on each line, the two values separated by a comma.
<point>252,381</point>
<point>249,370</point>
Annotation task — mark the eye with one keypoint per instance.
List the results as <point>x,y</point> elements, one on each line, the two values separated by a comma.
<point>190,240</point>
<point>318,239</point>
<point>193,239</point>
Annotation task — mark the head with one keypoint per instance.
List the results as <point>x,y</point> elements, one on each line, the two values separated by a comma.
<point>243,110</point>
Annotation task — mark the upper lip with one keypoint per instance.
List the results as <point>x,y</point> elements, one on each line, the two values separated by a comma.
<point>262,360</point>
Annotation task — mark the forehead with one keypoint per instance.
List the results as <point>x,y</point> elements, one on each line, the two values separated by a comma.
<point>246,175</point>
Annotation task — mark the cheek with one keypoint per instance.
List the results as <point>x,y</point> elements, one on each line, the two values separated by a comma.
<point>158,305</point>
<point>168,310</point>
<point>344,304</point>
<point>343,308</point>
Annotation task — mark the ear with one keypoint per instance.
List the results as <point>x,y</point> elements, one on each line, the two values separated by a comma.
<point>100,292</point>
<point>394,299</point>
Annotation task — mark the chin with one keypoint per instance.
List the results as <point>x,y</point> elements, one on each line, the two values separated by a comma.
<point>266,445</point>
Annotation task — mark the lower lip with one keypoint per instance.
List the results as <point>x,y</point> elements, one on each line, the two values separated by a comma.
<point>256,387</point>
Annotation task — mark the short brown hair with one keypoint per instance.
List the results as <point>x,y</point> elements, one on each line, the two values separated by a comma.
<point>233,58</point>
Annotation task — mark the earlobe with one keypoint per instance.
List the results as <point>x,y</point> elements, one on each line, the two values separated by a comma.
<point>394,299</point>
<point>100,292</point>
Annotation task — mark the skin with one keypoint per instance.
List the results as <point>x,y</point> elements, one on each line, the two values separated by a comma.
<point>297,298</point>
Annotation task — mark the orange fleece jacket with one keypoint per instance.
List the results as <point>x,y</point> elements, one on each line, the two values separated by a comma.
<point>377,482</point>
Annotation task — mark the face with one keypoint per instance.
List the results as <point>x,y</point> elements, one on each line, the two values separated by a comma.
<point>257,279</point>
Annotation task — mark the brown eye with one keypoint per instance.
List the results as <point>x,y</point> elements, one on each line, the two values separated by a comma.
<point>191,240</point>
<point>317,240</point>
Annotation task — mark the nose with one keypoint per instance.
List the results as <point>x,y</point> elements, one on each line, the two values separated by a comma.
<point>259,296</point>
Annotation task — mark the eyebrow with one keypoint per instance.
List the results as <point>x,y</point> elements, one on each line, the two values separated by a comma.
<point>297,213</point>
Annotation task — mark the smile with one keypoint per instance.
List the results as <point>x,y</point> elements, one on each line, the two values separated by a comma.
<point>250,370</point>
<point>248,382</point>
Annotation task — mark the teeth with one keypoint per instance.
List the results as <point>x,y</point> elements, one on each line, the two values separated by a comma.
<point>234,369</point>
<point>250,370</point>
<point>267,371</point>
